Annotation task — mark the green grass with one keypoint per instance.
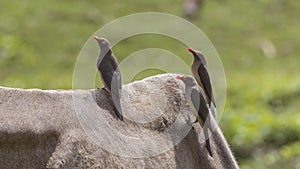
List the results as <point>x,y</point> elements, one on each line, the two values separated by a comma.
<point>40,42</point>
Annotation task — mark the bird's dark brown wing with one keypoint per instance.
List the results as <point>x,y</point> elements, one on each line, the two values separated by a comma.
<point>200,104</point>
<point>118,78</point>
<point>205,79</point>
<point>107,66</point>
<point>116,83</point>
<point>115,92</point>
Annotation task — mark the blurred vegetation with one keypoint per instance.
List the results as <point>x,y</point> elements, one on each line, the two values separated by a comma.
<point>40,41</point>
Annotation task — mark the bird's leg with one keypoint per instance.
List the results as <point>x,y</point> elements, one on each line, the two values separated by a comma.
<point>104,88</point>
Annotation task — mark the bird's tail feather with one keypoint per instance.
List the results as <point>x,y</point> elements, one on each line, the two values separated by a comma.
<point>119,113</point>
<point>213,111</point>
<point>207,142</point>
<point>117,105</point>
<point>118,110</point>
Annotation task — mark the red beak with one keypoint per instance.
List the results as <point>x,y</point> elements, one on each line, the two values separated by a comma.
<point>191,50</point>
<point>179,77</point>
<point>96,38</point>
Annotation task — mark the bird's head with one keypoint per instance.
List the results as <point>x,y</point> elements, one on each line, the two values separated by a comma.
<point>187,80</point>
<point>103,43</point>
<point>197,55</point>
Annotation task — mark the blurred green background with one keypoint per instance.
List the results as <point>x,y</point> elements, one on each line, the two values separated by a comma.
<point>258,42</point>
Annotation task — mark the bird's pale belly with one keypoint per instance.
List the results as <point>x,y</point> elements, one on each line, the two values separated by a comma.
<point>196,76</point>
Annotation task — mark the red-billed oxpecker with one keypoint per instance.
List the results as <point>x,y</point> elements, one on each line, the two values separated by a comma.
<point>200,72</point>
<point>196,99</point>
<point>107,65</point>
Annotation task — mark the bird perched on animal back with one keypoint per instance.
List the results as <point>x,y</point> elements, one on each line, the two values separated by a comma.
<point>200,72</point>
<point>110,74</point>
<point>198,105</point>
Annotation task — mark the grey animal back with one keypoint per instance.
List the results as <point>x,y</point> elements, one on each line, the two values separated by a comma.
<point>43,124</point>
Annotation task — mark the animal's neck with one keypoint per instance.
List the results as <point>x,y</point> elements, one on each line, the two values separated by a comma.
<point>223,150</point>
<point>106,52</point>
<point>103,57</point>
<point>196,58</point>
